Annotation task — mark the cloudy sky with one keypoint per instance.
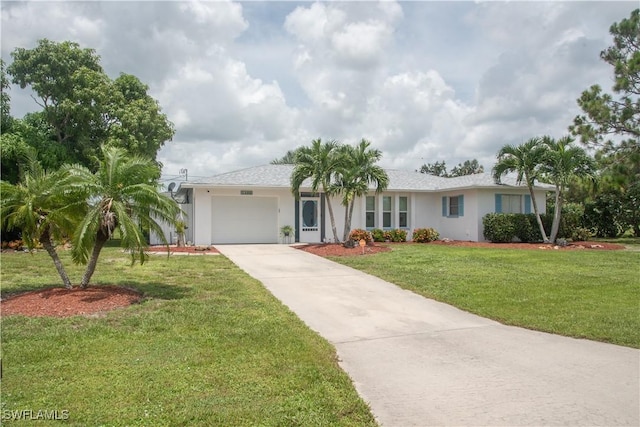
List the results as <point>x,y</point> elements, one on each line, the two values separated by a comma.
<point>244,82</point>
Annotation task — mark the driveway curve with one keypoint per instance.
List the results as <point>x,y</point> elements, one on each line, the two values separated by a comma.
<point>418,362</point>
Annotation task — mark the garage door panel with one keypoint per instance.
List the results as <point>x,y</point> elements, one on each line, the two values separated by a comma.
<point>244,219</point>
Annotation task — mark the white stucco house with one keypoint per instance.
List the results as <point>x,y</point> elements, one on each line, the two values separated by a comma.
<point>251,205</point>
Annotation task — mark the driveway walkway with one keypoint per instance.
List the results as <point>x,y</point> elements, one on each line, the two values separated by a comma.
<point>418,362</point>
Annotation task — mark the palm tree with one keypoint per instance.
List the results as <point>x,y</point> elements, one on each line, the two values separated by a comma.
<point>122,196</point>
<point>357,172</point>
<point>318,162</point>
<point>43,208</point>
<point>563,163</point>
<point>525,160</point>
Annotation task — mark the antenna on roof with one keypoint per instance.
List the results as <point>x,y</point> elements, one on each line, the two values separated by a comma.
<point>185,172</point>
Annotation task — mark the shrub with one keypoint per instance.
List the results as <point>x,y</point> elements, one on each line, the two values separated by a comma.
<point>581,234</point>
<point>397,235</point>
<point>498,227</point>
<point>425,235</point>
<point>526,228</point>
<point>360,234</point>
<point>378,235</point>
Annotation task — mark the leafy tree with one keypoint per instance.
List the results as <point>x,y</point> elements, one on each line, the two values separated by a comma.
<point>437,168</point>
<point>357,171</point>
<point>121,195</point>
<point>43,208</point>
<point>83,108</point>
<point>525,160</point>
<point>606,115</point>
<point>469,167</point>
<point>5,100</point>
<point>318,162</point>
<point>562,164</point>
<point>288,159</point>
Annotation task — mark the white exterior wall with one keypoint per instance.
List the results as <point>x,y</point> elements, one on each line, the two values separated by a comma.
<point>203,199</point>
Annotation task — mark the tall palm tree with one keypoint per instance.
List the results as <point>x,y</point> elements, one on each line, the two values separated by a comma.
<point>121,195</point>
<point>357,172</point>
<point>43,208</point>
<point>525,160</point>
<point>319,163</point>
<point>563,163</point>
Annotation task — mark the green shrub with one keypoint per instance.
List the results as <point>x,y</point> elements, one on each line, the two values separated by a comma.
<point>425,235</point>
<point>377,235</point>
<point>360,234</point>
<point>498,227</point>
<point>397,235</point>
<point>581,234</point>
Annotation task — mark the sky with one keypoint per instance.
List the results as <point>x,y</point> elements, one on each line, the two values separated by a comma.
<point>424,81</point>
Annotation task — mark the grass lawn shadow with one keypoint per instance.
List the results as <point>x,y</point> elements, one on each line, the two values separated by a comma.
<point>159,290</point>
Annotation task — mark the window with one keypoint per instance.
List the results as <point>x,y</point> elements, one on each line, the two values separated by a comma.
<point>513,203</point>
<point>371,212</point>
<point>453,206</point>
<point>386,211</point>
<point>309,215</point>
<point>402,213</point>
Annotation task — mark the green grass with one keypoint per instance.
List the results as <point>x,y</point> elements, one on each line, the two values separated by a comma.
<point>579,293</point>
<point>208,346</point>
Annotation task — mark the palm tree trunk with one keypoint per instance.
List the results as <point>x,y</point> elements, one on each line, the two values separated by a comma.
<point>93,260</point>
<point>51,250</point>
<point>333,220</point>
<point>555,227</point>
<point>538,219</point>
<point>350,217</point>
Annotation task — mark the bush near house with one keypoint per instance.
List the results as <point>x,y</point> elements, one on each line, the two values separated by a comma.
<point>396,235</point>
<point>377,235</point>
<point>360,234</point>
<point>425,235</point>
<point>504,228</point>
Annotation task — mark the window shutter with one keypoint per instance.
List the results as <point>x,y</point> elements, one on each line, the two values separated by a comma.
<point>498,203</point>
<point>527,204</point>
<point>444,206</point>
<point>460,205</point>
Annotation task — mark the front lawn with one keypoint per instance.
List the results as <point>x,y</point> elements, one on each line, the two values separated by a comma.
<point>580,293</point>
<point>208,346</point>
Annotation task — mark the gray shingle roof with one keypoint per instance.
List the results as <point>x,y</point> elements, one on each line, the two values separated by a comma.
<point>399,180</point>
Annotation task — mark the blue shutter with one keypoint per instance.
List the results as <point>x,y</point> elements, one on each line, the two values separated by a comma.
<point>444,206</point>
<point>527,204</point>
<point>498,203</point>
<point>460,205</point>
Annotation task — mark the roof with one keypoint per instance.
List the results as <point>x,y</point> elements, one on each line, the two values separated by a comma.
<point>278,176</point>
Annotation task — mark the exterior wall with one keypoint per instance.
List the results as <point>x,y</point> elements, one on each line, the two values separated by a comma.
<point>202,200</point>
<point>169,231</point>
<point>424,210</point>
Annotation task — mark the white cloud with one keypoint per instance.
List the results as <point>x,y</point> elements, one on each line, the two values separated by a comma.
<point>424,81</point>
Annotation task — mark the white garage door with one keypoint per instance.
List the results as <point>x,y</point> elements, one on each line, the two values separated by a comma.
<point>244,219</point>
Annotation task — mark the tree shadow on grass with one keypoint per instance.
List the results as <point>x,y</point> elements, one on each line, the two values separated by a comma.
<point>159,290</point>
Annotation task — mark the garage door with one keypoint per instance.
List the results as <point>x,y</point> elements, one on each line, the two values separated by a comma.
<point>244,219</point>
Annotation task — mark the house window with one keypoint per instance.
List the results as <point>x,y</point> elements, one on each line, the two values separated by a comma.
<point>371,212</point>
<point>386,211</point>
<point>402,213</point>
<point>513,203</point>
<point>453,206</point>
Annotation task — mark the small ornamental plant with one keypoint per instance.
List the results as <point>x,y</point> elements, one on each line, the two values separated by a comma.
<point>425,235</point>
<point>378,235</point>
<point>396,235</point>
<point>360,234</point>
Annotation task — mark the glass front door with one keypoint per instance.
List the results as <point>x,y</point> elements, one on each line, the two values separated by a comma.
<point>310,220</point>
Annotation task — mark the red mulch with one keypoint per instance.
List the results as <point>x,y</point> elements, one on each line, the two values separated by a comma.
<point>60,302</point>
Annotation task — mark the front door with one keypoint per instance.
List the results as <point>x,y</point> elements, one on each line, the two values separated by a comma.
<point>310,218</point>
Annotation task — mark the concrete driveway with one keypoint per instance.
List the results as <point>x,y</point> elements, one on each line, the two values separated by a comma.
<point>418,362</point>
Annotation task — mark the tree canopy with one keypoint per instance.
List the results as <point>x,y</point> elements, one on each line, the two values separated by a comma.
<point>469,167</point>
<point>618,115</point>
<point>82,108</point>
